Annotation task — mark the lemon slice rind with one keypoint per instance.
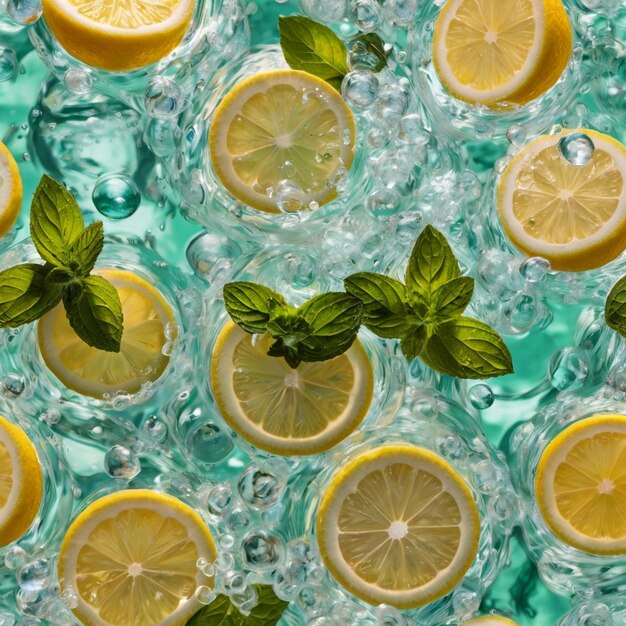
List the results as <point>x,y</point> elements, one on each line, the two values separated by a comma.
<point>221,382</point>
<point>346,481</point>
<point>554,454</point>
<point>10,190</point>
<point>109,506</point>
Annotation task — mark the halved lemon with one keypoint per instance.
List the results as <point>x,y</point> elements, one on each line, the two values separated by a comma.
<point>283,410</point>
<point>573,215</point>
<point>581,485</point>
<point>492,52</point>
<point>94,372</point>
<point>119,35</point>
<point>490,620</point>
<point>131,559</point>
<point>21,482</point>
<point>399,526</point>
<point>10,190</point>
<point>279,138</point>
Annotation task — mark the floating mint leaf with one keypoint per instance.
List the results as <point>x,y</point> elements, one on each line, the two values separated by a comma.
<point>86,248</point>
<point>334,320</point>
<point>384,303</point>
<point>615,309</point>
<point>313,48</point>
<point>221,611</point>
<point>467,348</point>
<point>373,46</point>
<point>94,311</point>
<point>452,298</point>
<point>55,222</point>
<point>432,263</point>
<point>24,294</point>
<point>249,305</point>
<point>412,343</point>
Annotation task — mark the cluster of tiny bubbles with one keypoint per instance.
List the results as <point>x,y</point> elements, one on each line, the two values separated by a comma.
<point>163,98</point>
<point>24,12</point>
<point>8,63</point>
<point>78,81</point>
<point>12,385</point>
<point>116,196</point>
<point>120,462</point>
<point>576,148</point>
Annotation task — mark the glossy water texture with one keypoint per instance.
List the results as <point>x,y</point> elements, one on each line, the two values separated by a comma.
<point>133,149</point>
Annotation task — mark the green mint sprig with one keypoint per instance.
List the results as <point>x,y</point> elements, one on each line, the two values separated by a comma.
<point>222,612</point>
<point>615,309</point>
<point>316,49</point>
<point>426,313</point>
<point>69,251</point>
<point>322,328</point>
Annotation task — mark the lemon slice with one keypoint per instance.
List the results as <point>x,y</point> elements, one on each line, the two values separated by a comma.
<point>94,372</point>
<point>581,485</point>
<point>283,410</point>
<point>131,558</point>
<point>398,526</point>
<point>573,215</point>
<point>490,620</point>
<point>278,139</point>
<point>21,482</point>
<point>489,52</point>
<point>118,35</point>
<point>10,190</point>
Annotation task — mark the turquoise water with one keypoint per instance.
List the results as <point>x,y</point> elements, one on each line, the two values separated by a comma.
<point>119,175</point>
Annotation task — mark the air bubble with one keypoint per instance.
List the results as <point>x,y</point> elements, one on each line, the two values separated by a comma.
<point>116,197</point>
<point>576,148</point>
<point>366,14</point>
<point>360,88</point>
<point>481,396</point>
<point>163,98</point>
<point>260,488</point>
<point>78,81</point>
<point>262,551</point>
<point>208,443</point>
<point>120,462</point>
<point>24,11</point>
<point>568,369</point>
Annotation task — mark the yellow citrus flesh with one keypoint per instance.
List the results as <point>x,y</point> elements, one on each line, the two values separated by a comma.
<point>94,372</point>
<point>10,190</point>
<point>572,215</point>
<point>581,485</point>
<point>119,35</point>
<point>131,558</point>
<point>283,410</point>
<point>399,526</point>
<point>21,482</point>
<point>492,52</point>
<point>277,126</point>
<point>490,620</point>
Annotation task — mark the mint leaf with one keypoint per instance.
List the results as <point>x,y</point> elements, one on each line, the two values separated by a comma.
<point>86,248</point>
<point>452,298</point>
<point>334,320</point>
<point>432,263</point>
<point>58,277</point>
<point>221,611</point>
<point>615,309</point>
<point>24,295</point>
<point>94,311</point>
<point>370,46</point>
<point>413,342</point>
<point>249,305</point>
<point>384,299</point>
<point>467,348</point>
<point>55,222</point>
<point>313,48</point>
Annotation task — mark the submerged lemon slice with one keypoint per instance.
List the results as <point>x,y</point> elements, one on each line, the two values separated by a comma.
<point>398,526</point>
<point>94,372</point>
<point>131,559</point>
<point>495,51</point>
<point>581,485</point>
<point>288,411</point>
<point>278,139</point>
<point>10,190</point>
<point>573,215</point>
<point>490,620</point>
<point>21,482</point>
<point>118,35</point>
